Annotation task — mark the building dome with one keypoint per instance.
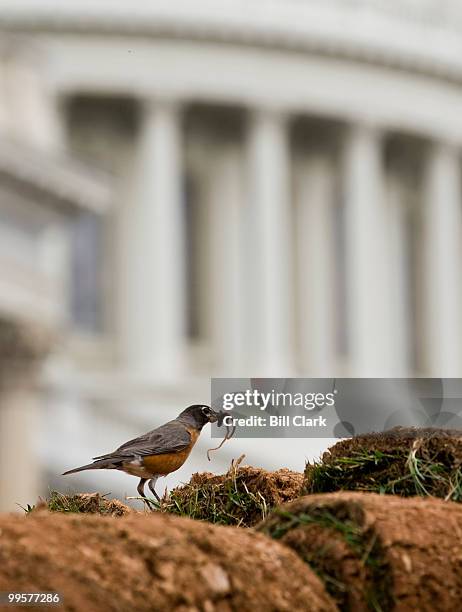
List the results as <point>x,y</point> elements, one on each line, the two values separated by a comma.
<point>373,87</point>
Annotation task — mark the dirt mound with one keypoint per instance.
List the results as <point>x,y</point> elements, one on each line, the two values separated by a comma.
<point>377,552</point>
<point>401,461</point>
<point>243,496</point>
<point>82,503</point>
<point>154,562</point>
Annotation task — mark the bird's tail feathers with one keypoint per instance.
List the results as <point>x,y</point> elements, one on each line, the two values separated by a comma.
<point>96,465</point>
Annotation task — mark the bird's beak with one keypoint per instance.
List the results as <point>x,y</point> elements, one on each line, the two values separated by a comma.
<point>214,416</point>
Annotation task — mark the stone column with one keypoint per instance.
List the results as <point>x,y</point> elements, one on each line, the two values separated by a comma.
<point>269,244</point>
<point>441,262</point>
<point>153,294</point>
<point>22,349</point>
<point>401,279</point>
<point>315,199</point>
<point>4,107</point>
<point>225,203</point>
<point>366,253</point>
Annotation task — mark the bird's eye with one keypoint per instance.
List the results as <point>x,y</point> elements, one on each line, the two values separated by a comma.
<point>206,410</point>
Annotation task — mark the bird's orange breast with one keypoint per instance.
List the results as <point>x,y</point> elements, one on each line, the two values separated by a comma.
<point>161,465</point>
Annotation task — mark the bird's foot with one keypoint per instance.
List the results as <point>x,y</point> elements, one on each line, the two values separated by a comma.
<point>150,504</point>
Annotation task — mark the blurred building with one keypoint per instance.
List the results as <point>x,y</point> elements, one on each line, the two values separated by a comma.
<point>42,192</point>
<point>287,198</point>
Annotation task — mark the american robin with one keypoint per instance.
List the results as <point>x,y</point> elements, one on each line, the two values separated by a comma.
<point>158,452</point>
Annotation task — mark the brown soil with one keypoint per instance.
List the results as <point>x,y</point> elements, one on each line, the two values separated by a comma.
<point>401,461</point>
<point>243,496</point>
<point>153,562</point>
<point>377,552</point>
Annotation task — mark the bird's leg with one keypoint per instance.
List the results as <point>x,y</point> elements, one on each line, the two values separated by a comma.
<point>140,489</point>
<point>151,485</point>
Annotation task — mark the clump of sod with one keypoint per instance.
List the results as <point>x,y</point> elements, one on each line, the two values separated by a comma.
<point>401,461</point>
<point>330,539</point>
<point>81,503</point>
<point>373,552</point>
<point>241,497</point>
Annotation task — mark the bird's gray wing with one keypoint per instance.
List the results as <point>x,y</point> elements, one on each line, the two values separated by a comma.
<point>169,438</point>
